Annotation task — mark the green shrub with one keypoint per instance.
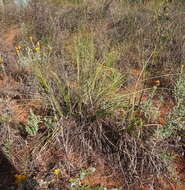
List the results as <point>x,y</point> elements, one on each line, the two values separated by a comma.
<point>32,125</point>
<point>174,121</point>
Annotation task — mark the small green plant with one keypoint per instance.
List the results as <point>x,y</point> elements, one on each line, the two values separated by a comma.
<point>75,182</point>
<point>32,124</point>
<point>175,123</point>
<point>167,157</point>
<point>50,123</point>
<point>148,107</point>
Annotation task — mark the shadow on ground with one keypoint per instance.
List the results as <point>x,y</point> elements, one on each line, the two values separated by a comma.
<point>7,176</point>
<point>7,173</point>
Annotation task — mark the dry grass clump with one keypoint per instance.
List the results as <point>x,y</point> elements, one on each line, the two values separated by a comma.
<point>132,157</point>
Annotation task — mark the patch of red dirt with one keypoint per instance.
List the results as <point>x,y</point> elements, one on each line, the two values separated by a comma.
<point>20,113</point>
<point>97,178</point>
<point>103,176</point>
<point>167,184</point>
<point>15,111</point>
<point>179,164</point>
<point>76,159</point>
<point>8,36</point>
<point>18,110</point>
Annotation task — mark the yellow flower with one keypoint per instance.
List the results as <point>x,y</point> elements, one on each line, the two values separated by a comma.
<point>57,171</point>
<point>18,48</point>
<point>50,48</point>
<point>37,49</point>
<point>19,178</point>
<point>157,82</point>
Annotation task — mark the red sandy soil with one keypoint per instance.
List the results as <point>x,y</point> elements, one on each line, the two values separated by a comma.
<point>100,176</point>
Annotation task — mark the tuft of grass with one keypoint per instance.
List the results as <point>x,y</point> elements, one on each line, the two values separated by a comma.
<point>98,81</point>
<point>94,87</point>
